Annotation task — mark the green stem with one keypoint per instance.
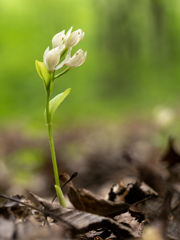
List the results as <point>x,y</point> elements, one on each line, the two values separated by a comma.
<point>63,72</point>
<point>47,108</point>
<point>53,155</point>
<point>51,142</point>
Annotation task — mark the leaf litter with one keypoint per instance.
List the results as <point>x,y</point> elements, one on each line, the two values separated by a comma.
<point>147,208</point>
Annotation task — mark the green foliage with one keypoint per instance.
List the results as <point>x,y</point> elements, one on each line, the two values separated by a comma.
<point>55,102</point>
<point>44,74</point>
<point>132,65</point>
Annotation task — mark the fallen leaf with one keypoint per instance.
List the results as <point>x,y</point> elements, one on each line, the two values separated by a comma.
<point>139,216</point>
<point>19,211</point>
<point>85,200</point>
<point>131,194</point>
<point>127,219</point>
<point>78,221</point>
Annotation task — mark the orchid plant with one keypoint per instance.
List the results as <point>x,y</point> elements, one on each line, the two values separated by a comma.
<point>62,45</point>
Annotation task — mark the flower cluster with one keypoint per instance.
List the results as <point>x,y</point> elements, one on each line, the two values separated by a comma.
<point>61,43</point>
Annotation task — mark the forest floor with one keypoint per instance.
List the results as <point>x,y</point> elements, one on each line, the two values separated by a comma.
<point>126,187</point>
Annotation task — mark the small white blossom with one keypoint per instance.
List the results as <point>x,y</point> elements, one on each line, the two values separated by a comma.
<point>77,59</point>
<point>51,58</point>
<point>73,38</point>
<point>58,39</point>
<point>60,42</point>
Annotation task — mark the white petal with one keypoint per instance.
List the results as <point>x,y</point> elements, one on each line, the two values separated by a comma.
<point>60,65</point>
<point>45,54</point>
<point>82,59</point>
<point>82,36</point>
<point>62,47</point>
<point>52,58</point>
<point>58,39</point>
<point>77,59</point>
<point>71,40</point>
<point>69,32</point>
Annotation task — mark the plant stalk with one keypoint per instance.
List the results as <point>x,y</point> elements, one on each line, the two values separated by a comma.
<point>53,155</point>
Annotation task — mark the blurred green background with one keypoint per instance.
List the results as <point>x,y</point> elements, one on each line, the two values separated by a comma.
<point>132,72</point>
<point>133,61</point>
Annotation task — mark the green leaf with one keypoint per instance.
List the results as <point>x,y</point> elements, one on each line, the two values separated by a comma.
<point>44,74</point>
<point>55,102</point>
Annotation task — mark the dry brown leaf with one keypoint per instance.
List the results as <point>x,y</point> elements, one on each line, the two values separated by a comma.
<point>81,222</point>
<point>131,194</point>
<point>85,200</point>
<point>127,219</point>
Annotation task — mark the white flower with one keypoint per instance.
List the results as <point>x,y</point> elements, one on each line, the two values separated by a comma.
<point>51,58</point>
<point>77,59</point>
<point>73,38</point>
<point>58,39</point>
<point>60,42</point>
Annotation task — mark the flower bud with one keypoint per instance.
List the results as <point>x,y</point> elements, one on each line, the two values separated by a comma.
<point>58,39</point>
<point>77,59</point>
<point>51,58</point>
<point>73,38</point>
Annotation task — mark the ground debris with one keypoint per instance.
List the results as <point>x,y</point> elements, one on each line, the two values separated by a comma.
<point>146,206</point>
<point>132,222</point>
<point>77,221</point>
<point>7,228</point>
<point>86,200</point>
